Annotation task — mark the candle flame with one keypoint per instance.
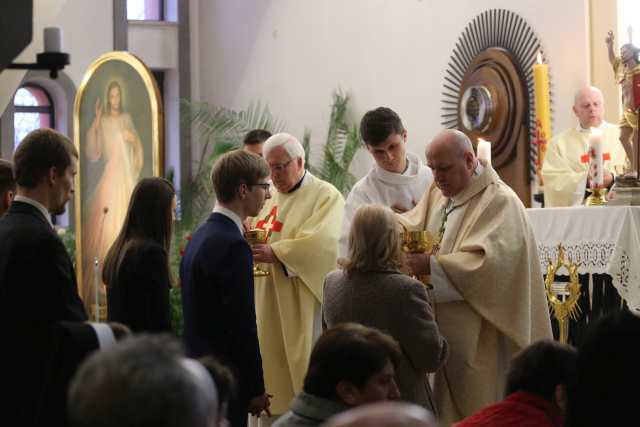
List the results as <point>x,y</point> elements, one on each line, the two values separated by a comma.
<point>539,57</point>
<point>595,131</point>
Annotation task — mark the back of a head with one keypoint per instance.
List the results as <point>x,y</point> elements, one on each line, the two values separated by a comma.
<point>256,136</point>
<point>7,183</point>
<point>606,373</point>
<point>224,380</point>
<point>155,195</point>
<point>143,381</point>
<point>235,168</point>
<point>384,414</point>
<point>374,240</point>
<point>540,367</point>
<point>40,150</point>
<point>377,125</point>
<point>348,352</point>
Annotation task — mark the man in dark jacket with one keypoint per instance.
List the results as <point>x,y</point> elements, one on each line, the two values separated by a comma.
<point>217,281</point>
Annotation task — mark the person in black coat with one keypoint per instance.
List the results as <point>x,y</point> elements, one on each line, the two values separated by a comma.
<point>217,281</point>
<point>136,268</point>
<point>38,290</point>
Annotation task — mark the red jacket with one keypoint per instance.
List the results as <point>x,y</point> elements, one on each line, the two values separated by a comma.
<point>520,409</point>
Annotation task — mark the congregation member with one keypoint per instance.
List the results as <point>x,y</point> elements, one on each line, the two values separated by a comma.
<point>485,272</point>
<point>385,414</point>
<point>565,170</point>
<point>370,282</point>
<point>225,384</point>
<point>143,381</point>
<point>397,179</point>
<point>217,281</point>
<point>136,269</point>
<point>39,303</point>
<point>254,140</point>
<point>350,365</point>
<point>303,223</point>
<point>7,186</point>
<point>606,373</point>
<point>536,392</point>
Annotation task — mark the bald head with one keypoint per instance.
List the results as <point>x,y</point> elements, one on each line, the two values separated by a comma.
<point>384,414</point>
<point>451,140</point>
<point>588,106</point>
<point>452,160</point>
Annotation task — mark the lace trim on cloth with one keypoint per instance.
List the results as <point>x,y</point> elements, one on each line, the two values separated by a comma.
<point>601,258</point>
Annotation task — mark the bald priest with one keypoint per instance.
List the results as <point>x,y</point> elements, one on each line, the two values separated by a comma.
<point>488,286</point>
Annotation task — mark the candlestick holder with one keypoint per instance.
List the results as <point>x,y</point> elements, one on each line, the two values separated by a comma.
<point>597,197</point>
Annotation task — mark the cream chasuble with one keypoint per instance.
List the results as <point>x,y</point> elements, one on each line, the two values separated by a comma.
<point>489,254</point>
<point>563,172</point>
<point>304,228</point>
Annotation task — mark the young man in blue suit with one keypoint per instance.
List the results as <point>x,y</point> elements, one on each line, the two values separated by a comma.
<point>217,281</point>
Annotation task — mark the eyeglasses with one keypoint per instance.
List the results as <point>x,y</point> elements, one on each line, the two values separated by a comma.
<point>280,167</point>
<point>264,185</point>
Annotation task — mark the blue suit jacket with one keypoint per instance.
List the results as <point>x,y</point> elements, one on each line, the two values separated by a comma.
<point>218,301</point>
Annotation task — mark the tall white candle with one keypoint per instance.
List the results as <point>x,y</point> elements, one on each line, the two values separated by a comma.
<point>52,39</point>
<point>484,150</point>
<point>596,158</point>
<point>96,280</point>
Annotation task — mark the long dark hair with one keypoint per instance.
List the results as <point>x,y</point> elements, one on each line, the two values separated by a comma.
<point>149,217</point>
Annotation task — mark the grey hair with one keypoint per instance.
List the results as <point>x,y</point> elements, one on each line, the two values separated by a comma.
<point>141,381</point>
<point>287,141</point>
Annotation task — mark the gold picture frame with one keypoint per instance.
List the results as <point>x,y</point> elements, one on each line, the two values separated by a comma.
<point>118,131</point>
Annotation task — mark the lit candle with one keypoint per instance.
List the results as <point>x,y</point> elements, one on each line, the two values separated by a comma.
<point>484,150</point>
<point>543,110</point>
<point>595,153</point>
<point>52,39</point>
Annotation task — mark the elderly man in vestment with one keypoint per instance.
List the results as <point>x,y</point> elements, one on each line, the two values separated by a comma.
<point>484,268</point>
<point>397,179</point>
<point>565,170</point>
<point>303,223</point>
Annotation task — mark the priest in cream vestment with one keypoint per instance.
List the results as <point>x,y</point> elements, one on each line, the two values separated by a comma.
<point>565,170</point>
<point>488,286</point>
<point>303,220</point>
<point>397,179</point>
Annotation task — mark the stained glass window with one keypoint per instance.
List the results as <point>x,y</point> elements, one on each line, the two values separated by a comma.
<point>33,109</point>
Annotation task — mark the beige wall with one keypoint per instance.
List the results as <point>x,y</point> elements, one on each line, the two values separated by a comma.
<point>293,53</point>
<point>603,16</point>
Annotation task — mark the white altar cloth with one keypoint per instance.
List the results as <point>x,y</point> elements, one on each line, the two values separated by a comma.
<point>602,239</point>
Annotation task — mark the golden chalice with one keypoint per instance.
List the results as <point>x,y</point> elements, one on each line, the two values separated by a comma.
<point>254,236</point>
<point>415,242</point>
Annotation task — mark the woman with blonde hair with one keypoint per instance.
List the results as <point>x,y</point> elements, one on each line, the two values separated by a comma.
<point>370,289</point>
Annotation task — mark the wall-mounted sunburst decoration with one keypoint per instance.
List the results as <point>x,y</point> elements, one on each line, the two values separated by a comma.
<point>488,87</point>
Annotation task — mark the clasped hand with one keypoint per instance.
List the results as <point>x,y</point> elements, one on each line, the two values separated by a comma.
<point>259,404</point>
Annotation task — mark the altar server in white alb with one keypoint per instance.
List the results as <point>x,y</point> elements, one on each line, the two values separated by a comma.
<point>565,170</point>
<point>488,286</point>
<point>398,179</point>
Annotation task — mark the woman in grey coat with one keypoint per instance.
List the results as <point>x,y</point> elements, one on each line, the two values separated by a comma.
<point>370,289</point>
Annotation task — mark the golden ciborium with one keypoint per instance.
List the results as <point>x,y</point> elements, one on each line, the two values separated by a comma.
<point>254,236</point>
<point>415,242</point>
